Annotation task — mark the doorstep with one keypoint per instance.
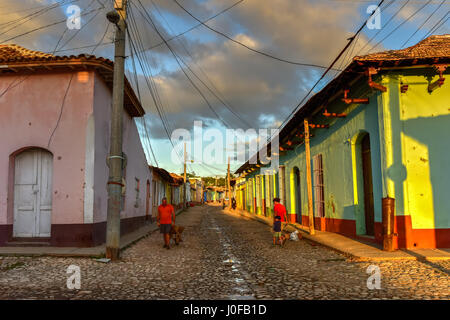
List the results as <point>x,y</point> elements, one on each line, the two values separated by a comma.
<point>97,251</point>
<point>354,248</point>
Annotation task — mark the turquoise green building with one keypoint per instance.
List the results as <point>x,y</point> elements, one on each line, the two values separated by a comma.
<point>380,129</point>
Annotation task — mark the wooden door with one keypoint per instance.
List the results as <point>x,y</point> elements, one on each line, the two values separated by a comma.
<point>155,199</point>
<point>147,201</point>
<point>298,199</point>
<point>368,187</point>
<point>33,194</point>
<point>319,192</point>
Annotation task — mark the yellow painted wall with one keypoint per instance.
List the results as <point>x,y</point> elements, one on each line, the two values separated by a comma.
<point>425,140</point>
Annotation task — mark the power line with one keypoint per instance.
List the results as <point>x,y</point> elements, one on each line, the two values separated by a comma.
<point>401,24</point>
<point>426,20</point>
<point>33,15</point>
<point>150,21</point>
<point>331,65</point>
<point>386,24</point>
<point>140,99</point>
<point>437,25</point>
<point>182,69</point>
<point>61,111</point>
<point>46,26</point>
<point>101,40</point>
<point>197,25</point>
<point>200,68</point>
<point>153,90</point>
<point>13,84</point>
<point>85,24</point>
<point>85,47</point>
<point>247,47</point>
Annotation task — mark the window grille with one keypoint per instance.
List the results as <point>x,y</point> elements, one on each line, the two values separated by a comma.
<point>319,197</point>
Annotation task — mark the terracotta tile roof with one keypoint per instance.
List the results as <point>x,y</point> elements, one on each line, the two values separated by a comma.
<point>10,53</point>
<point>13,52</point>
<point>176,178</point>
<point>164,174</point>
<point>14,58</point>
<point>436,46</point>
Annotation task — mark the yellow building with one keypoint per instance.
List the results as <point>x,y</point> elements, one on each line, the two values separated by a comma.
<point>380,129</point>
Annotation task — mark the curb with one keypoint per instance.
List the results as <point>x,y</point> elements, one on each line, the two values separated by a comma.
<point>86,255</point>
<point>349,255</point>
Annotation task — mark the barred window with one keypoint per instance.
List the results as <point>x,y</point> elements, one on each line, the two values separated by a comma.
<point>319,197</point>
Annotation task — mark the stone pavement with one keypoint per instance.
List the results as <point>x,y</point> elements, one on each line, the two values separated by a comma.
<point>98,251</point>
<point>222,256</point>
<point>357,249</point>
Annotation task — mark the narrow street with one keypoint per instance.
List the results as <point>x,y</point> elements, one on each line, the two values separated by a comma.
<point>223,256</point>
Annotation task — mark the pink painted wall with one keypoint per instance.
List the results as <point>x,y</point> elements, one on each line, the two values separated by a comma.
<point>28,114</point>
<point>137,166</point>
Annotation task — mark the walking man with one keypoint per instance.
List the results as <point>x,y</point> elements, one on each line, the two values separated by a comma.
<point>165,220</point>
<point>279,210</point>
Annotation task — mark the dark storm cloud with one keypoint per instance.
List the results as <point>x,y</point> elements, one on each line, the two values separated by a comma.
<point>261,90</point>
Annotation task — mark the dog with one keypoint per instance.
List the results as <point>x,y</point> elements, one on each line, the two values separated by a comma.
<point>175,234</point>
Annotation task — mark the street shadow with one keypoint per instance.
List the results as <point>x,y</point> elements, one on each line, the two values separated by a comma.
<point>421,258</point>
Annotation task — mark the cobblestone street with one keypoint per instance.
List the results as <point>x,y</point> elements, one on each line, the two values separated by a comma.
<point>222,257</point>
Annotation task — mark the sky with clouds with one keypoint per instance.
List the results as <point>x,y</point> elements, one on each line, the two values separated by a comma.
<point>246,89</point>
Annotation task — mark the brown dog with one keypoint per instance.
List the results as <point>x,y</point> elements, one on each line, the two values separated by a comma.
<point>175,234</point>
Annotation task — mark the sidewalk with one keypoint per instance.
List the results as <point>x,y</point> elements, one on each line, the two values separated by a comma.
<point>353,248</point>
<point>97,252</point>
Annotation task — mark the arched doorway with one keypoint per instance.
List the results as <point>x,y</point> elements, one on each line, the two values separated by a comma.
<point>368,185</point>
<point>33,171</point>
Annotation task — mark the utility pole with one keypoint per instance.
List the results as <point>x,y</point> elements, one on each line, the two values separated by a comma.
<point>229,185</point>
<point>308,178</point>
<point>184,178</point>
<point>116,159</point>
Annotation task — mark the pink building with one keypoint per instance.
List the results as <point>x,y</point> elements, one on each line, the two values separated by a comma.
<point>54,128</point>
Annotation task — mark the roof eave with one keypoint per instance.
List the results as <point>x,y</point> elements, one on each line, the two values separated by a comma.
<point>102,66</point>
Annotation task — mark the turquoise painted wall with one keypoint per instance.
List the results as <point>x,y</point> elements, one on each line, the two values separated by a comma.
<point>410,151</point>
<point>335,144</point>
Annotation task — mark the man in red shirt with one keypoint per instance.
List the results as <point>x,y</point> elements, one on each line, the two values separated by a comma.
<point>165,220</point>
<point>279,210</point>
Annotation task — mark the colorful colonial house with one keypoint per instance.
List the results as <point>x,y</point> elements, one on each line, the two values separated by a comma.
<point>196,190</point>
<point>54,126</point>
<point>177,190</point>
<point>379,130</point>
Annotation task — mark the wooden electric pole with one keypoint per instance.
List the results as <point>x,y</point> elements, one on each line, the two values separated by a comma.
<point>229,185</point>
<point>116,159</point>
<point>308,178</point>
<point>184,178</point>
